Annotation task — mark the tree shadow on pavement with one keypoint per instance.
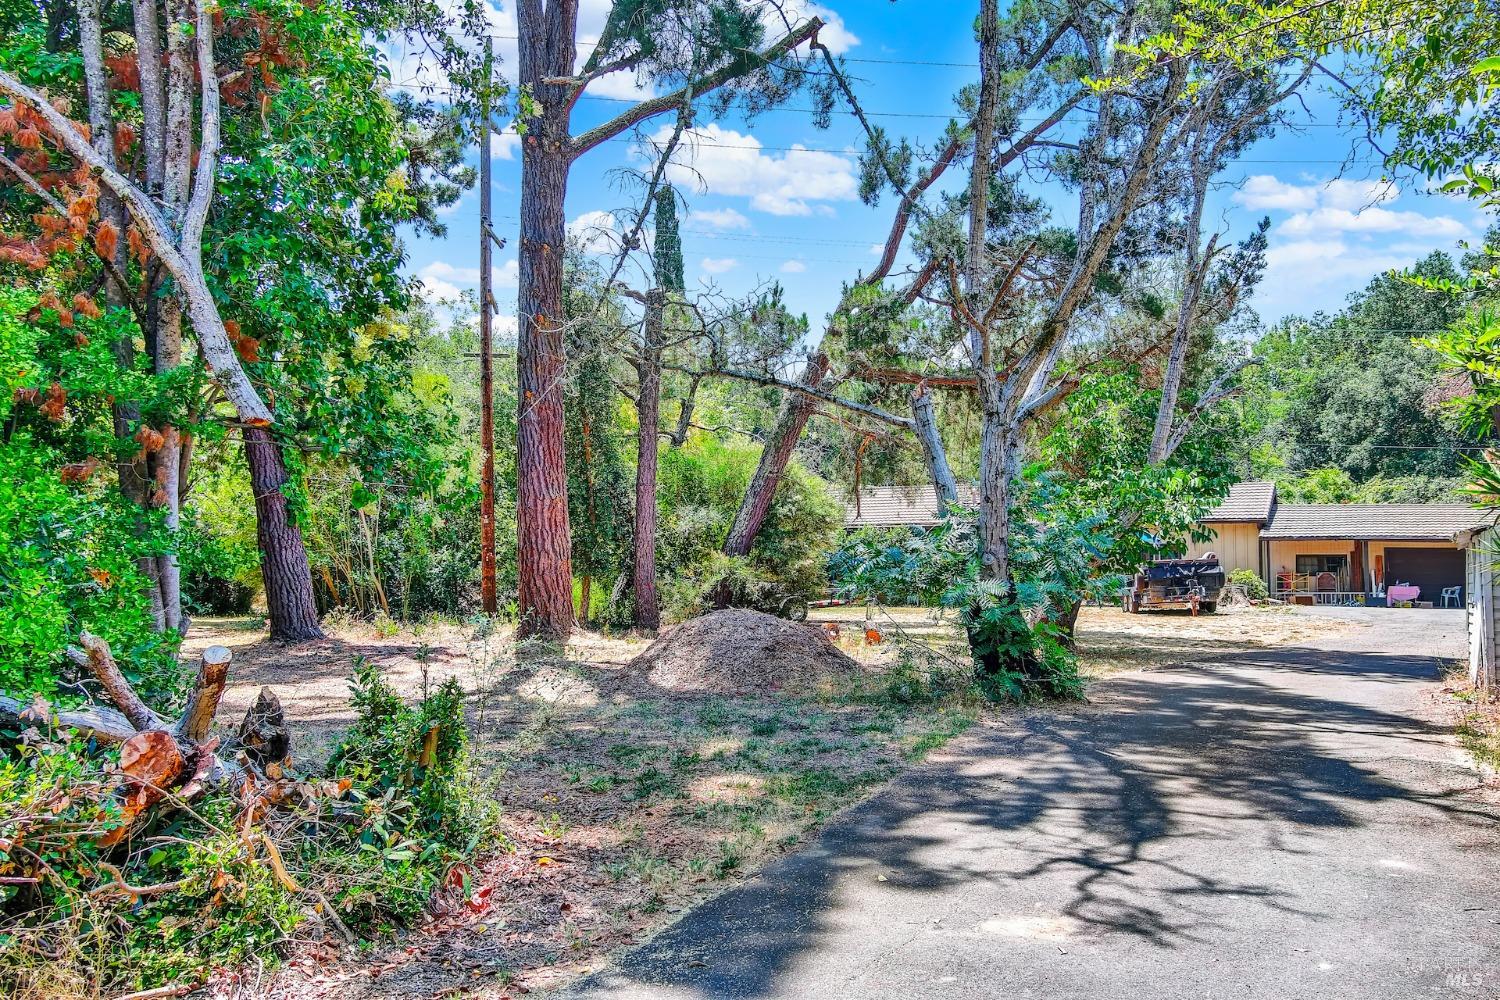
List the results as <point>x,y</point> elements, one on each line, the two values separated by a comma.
<point>1124,815</point>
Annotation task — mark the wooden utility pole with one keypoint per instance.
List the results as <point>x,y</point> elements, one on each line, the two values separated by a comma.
<point>486,352</point>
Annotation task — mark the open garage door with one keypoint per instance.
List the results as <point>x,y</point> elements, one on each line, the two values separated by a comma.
<point>1430,569</point>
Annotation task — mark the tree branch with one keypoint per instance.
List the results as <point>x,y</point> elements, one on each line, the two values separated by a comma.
<point>209,326</point>
<point>109,266</point>
<point>756,378</point>
<point>712,81</point>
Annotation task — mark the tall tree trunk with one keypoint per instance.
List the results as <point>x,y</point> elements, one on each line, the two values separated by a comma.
<point>796,409</point>
<point>283,557</point>
<point>648,410</point>
<point>924,418</point>
<point>1193,275</point>
<point>543,537</point>
<point>134,472</point>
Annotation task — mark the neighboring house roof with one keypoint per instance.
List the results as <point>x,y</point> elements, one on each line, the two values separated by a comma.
<point>1252,501</point>
<point>893,506</point>
<point>1415,522</point>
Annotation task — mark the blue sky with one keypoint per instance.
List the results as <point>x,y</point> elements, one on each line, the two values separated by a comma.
<point>776,198</point>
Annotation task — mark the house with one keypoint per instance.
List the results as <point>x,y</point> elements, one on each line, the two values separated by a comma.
<point>1306,553</point>
<point>1235,525</point>
<point>1340,553</point>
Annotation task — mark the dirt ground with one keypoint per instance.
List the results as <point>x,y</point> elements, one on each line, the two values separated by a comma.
<point>625,804</point>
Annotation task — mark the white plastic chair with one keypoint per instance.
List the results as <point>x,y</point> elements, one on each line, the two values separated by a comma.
<point>1455,594</point>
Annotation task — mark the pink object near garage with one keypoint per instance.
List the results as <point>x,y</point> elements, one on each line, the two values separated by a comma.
<point>1397,592</point>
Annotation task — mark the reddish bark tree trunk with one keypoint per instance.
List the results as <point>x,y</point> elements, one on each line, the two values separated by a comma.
<point>796,408</point>
<point>648,410</point>
<point>543,538</point>
<point>283,557</point>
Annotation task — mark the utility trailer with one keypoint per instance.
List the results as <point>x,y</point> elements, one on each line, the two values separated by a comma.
<point>1194,584</point>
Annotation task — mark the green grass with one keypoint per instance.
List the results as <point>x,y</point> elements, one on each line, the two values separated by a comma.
<point>1479,734</point>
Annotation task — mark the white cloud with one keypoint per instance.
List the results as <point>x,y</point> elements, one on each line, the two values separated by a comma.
<point>1266,192</point>
<point>718,265</point>
<point>442,280</point>
<point>718,218</point>
<point>503,145</point>
<point>725,162</point>
<point>595,232</point>
<point>1356,195</point>
<point>414,69</point>
<point>877,248</point>
<point>1262,191</point>
<point>793,267</point>
<point>1323,221</point>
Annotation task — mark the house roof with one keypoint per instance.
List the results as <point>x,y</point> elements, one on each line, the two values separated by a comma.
<point>1416,522</point>
<point>1252,501</point>
<point>892,506</point>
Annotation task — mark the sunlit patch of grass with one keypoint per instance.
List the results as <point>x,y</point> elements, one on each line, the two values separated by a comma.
<point>939,730</point>
<point>1479,734</point>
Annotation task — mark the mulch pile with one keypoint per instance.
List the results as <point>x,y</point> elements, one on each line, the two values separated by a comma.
<point>738,651</point>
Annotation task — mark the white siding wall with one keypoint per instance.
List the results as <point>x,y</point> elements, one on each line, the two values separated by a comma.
<point>1479,600</point>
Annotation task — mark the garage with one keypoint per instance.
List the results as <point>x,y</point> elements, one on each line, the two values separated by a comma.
<point>1432,569</point>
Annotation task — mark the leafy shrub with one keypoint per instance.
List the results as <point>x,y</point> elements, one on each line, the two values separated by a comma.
<point>418,751</point>
<point>700,489</point>
<point>1255,587</point>
<point>219,572</point>
<point>1018,653</point>
<point>913,681</point>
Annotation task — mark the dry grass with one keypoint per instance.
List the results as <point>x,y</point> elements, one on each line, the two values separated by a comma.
<point>625,803</point>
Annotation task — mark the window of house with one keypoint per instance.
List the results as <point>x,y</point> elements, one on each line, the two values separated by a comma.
<point>1313,565</point>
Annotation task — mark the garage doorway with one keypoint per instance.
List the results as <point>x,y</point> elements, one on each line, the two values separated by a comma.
<point>1430,569</point>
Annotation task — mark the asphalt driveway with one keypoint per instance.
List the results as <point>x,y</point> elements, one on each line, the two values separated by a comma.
<point>1287,823</point>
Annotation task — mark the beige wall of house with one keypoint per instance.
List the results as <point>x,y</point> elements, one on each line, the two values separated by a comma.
<point>1237,545</point>
<point>1283,555</point>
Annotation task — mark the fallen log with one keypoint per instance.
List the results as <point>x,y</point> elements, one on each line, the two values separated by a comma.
<point>157,756</point>
<point>99,721</point>
<point>96,658</point>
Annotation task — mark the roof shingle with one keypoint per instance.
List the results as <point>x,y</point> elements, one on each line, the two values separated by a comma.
<point>892,506</point>
<point>1417,522</point>
<point>1252,501</point>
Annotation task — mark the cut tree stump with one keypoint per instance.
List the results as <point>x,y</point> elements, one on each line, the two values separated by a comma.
<point>160,759</point>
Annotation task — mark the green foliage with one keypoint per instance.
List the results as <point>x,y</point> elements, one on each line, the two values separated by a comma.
<point>219,571</point>
<point>1255,587</point>
<point>1018,654</point>
<point>1472,348</point>
<point>416,752</point>
<point>700,489</point>
<point>69,550</point>
<point>1352,391</point>
<point>392,823</point>
<point>1097,452</point>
